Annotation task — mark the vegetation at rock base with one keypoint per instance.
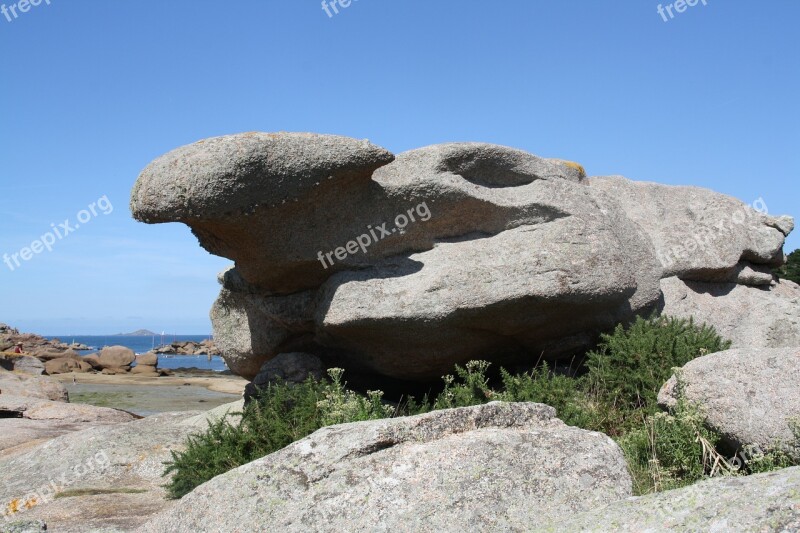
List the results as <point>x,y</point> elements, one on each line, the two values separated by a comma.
<point>631,364</point>
<point>791,270</point>
<point>616,394</point>
<point>281,414</point>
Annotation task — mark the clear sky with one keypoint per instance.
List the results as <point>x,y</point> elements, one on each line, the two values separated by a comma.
<point>91,91</point>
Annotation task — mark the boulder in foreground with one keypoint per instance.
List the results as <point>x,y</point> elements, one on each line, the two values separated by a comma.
<point>762,502</point>
<point>492,467</point>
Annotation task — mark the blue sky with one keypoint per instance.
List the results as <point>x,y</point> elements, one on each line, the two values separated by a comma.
<point>91,92</point>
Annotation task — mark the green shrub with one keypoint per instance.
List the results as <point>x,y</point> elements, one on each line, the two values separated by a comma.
<point>469,386</point>
<point>669,451</point>
<point>791,270</point>
<point>281,414</point>
<point>541,385</point>
<point>630,365</point>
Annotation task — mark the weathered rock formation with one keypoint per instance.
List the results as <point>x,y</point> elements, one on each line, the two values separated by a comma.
<point>110,474</point>
<point>750,317</point>
<point>29,386</point>
<point>406,265</point>
<point>35,408</point>
<point>495,467</point>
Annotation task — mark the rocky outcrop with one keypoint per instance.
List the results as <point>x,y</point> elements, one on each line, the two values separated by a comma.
<point>32,343</point>
<point>110,476</point>
<point>763,502</point>
<point>25,364</point>
<point>29,386</point>
<point>36,408</point>
<point>204,347</point>
<point>65,365</point>
<point>750,396</point>
<point>492,467</point>
<point>405,266</point>
<point>750,317</point>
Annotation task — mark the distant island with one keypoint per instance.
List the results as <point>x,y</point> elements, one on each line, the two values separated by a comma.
<point>137,333</point>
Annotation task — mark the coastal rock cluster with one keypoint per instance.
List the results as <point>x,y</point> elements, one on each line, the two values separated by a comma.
<point>46,356</point>
<point>403,266</point>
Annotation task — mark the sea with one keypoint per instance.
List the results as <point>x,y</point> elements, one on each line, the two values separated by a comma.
<point>141,344</point>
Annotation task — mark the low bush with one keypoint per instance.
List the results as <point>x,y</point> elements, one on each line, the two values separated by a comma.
<point>672,450</point>
<point>281,414</point>
<point>631,364</point>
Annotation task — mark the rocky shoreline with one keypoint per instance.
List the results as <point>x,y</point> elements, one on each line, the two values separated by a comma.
<point>54,357</point>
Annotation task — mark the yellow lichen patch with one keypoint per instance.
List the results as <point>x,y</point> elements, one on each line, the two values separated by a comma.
<point>33,502</point>
<point>576,166</point>
<point>13,506</point>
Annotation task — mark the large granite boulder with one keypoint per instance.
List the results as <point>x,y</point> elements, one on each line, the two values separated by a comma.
<point>407,265</point>
<point>498,467</point>
<point>25,364</point>
<point>763,502</point>
<point>750,396</point>
<point>39,409</point>
<point>239,193</point>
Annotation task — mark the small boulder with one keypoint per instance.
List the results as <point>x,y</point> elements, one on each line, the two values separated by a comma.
<point>147,359</point>
<point>749,396</point>
<point>145,370</point>
<point>64,366</point>
<point>286,367</point>
<point>28,365</point>
<point>28,386</point>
